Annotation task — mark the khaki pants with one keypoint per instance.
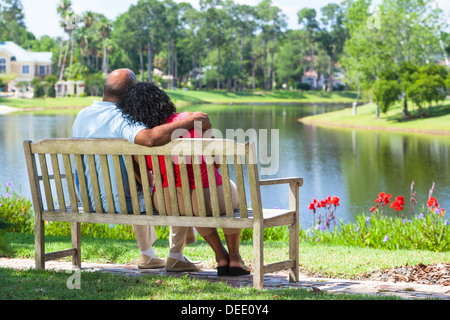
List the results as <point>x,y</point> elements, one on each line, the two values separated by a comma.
<point>179,237</point>
<point>203,231</point>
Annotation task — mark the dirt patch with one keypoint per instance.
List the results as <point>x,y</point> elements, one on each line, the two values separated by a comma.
<point>438,274</point>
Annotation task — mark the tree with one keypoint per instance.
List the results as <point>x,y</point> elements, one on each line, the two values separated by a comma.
<point>68,23</point>
<point>428,84</point>
<point>104,26</point>
<point>307,17</point>
<point>12,23</point>
<point>332,38</point>
<point>217,21</point>
<point>386,92</point>
<point>50,82</point>
<point>290,65</point>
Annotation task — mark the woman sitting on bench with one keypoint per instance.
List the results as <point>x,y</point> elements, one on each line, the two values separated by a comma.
<point>147,104</point>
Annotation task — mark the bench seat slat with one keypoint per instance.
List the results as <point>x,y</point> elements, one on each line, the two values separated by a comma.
<point>272,218</point>
<point>146,188</point>
<point>182,162</point>
<point>107,184</point>
<point>95,184</point>
<point>58,182</point>
<point>70,182</point>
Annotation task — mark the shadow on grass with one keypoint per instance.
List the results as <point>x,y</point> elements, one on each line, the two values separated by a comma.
<point>429,112</point>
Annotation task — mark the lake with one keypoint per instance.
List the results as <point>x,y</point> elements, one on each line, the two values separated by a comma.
<point>354,165</point>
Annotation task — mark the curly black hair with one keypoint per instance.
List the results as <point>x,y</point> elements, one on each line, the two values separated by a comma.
<point>144,103</point>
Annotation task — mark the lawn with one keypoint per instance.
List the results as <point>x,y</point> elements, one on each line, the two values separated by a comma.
<point>325,260</point>
<point>437,121</point>
<point>182,98</point>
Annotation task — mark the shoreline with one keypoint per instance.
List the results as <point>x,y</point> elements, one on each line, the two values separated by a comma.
<point>5,109</point>
<point>322,123</point>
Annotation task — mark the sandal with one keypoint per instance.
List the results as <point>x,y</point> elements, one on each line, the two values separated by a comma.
<point>238,271</point>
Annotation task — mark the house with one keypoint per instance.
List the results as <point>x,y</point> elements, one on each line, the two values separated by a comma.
<point>313,79</point>
<point>25,65</point>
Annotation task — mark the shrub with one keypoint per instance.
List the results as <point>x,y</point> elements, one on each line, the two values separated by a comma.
<point>51,92</point>
<point>16,210</point>
<point>428,230</point>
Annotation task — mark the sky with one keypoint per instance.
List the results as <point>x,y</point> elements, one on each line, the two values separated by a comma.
<point>41,17</point>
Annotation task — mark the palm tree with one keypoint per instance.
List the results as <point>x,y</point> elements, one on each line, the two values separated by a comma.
<point>104,27</point>
<point>64,10</point>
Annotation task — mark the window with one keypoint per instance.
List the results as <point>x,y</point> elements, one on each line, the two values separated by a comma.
<point>26,69</point>
<point>2,65</point>
<point>41,70</point>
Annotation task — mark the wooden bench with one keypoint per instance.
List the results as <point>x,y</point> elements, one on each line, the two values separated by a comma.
<point>57,159</point>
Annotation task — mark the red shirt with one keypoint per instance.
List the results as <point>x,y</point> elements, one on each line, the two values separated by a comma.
<point>162,164</point>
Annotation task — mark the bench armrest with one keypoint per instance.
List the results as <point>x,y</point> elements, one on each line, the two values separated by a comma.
<point>268,182</point>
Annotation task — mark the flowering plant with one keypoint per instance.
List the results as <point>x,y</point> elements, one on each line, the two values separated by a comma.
<point>329,205</point>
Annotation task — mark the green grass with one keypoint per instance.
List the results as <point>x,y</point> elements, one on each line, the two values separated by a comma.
<point>49,103</point>
<point>182,98</point>
<point>50,285</point>
<point>322,260</point>
<point>325,260</point>
<point>438,120</point>
<point>199,97</point>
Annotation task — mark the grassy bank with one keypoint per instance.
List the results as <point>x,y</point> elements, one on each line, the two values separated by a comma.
<point>321,259</point>
<point>199,97</point>
<point>437,121</point>
<point>182,98</point>
<point>326,260</point>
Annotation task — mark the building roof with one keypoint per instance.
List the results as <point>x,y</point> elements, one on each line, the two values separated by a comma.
<point>22,55</point>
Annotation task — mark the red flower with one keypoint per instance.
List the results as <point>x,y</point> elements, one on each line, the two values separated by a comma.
<point>335,200</point>
<point>322,203</point>
<point>383,198</point>
<point>372,209</point>
<point>432,202</point>
<point>312,205</point>
<point>398,203</point>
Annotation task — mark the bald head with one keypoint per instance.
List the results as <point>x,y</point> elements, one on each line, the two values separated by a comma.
<point>117,83</point>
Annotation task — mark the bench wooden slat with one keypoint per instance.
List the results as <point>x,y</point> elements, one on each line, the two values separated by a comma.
<point>46,181</point>
<point>95,184</point>
<point>212,186</point>
<point>119,182</point>
<point>133,186</point>
<point>124,147</point>
<point>159,189</point>
<point>70,183</point>
<point>107,184</point>
<point>58,182</point>
<point>82,182</point>
<point>146,188</point>
<point>226,186</point>
<point>199,186</point>
<point>253,178</point>
<point>172,186</point>
<point>240,186</point>
<point>182,162</point>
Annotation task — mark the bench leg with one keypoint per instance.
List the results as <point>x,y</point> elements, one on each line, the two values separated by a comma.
<point>294,272</point>
<point>39,243</point>
<point>258,255</point>
<point>294,232</point>
<point>76,243</point>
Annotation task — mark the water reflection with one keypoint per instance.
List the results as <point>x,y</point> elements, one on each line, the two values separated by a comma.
<point>354,165</point>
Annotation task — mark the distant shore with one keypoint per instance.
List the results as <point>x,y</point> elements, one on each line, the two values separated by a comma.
<point>437,122</point>
<point>186,97</point>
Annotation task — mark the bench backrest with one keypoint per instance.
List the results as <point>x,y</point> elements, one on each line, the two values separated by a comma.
<point>57,159</point>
